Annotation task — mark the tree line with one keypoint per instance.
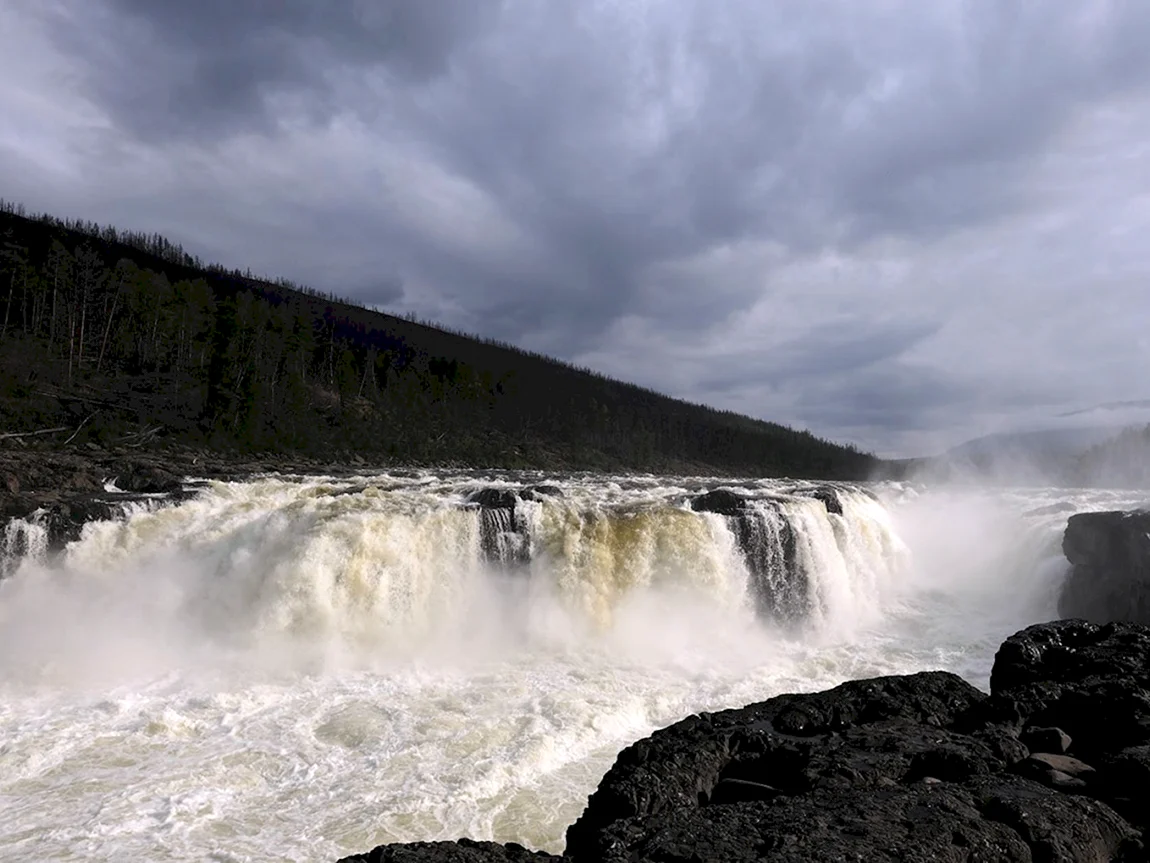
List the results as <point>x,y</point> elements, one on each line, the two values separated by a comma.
<point>136,339</point>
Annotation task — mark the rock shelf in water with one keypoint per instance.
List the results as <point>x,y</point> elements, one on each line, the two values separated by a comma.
<point>1109,579</point>
<point>1053,765</point>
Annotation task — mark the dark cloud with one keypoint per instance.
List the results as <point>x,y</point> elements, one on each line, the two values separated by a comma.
<point>632,183</point>
<point>169,67</point>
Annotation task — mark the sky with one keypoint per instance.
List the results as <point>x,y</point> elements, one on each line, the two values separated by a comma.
<point>896,223</point>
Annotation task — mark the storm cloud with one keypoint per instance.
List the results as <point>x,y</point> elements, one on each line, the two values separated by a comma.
<point>893,222</point>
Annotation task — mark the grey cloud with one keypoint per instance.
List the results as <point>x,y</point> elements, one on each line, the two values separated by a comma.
<point>167,68</point>
<point>622,144</point>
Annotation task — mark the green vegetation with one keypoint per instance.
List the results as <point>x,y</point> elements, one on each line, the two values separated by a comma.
<point>124,338</point>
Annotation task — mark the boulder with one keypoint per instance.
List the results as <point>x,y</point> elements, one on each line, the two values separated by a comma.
<point>829,498</point>
<point>147,478</point>
<point>493,498</point>
<point>1090,681</point>
<point>720,501</point>
<point>540,492</point>
<point>1038,739</point>
<point>1109,577</point>
<point>920,767</point>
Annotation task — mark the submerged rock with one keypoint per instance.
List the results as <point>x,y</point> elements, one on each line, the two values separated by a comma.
<point>1109,578</point>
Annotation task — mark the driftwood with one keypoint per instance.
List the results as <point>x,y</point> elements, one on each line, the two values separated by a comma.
<point>56,430</point>
<point>80,426</point>
<point>140,438</point>
<point>7,435</point>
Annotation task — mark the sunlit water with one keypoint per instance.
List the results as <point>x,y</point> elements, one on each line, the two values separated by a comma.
<point>299,669</point>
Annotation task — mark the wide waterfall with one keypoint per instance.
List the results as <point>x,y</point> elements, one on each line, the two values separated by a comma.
<point>300,667</point>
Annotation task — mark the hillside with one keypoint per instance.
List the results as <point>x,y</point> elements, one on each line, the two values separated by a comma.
<point>124,339</point>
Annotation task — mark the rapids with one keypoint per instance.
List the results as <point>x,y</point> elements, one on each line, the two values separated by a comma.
<point>295,668</point>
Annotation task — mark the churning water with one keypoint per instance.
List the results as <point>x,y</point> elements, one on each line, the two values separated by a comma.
<point>300,668</point>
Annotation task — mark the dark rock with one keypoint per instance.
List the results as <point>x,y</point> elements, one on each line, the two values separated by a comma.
<point>1109,578</point>
<point>1058,771</point>
<point>460,851</point>
<point>914,768</point>
<point>992,819</point>
<point>503,535</point>
<point>1064,763</point>
<point>1093,682</point>
<point>493,498</point>
<point>1045,739</point>
<point>720,501</point>
<point>793,742</point>
<point>829,498</point>
<point>767,541</point>
<point>146,478</point>
<point>729,790</point>
<point>539,492</point>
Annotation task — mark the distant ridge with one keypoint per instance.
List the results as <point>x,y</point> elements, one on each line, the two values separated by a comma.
<point>124,338</point>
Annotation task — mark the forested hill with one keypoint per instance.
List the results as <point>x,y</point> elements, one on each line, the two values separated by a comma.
<point>124,339</point>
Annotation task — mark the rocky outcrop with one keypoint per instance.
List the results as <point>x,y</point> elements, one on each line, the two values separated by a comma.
<point>1109,578</point>
<point>1052,765</point>
<point>767,541</point>
<point>504,535</point>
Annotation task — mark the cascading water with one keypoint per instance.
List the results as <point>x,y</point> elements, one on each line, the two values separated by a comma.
<point>303,667</point>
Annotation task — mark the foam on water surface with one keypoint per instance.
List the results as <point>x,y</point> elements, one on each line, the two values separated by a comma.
<point>296,669</point>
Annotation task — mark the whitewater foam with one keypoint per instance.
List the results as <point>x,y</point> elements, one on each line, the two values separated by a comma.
<point>301,668</point>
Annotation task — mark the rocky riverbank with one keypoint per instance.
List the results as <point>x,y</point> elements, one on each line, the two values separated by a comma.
<point>1109,578</point>
<point>1053,765</point>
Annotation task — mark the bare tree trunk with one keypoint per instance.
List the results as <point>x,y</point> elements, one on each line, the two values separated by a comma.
<point>8,308</point>
<point>71,342</point>
<point>107,330</point>
<point>83,321</point>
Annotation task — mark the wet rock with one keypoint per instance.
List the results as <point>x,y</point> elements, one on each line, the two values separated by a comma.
<point>1091,681</point>
<point>145,478</point>
<point>913,768</point>
<point>540,492</point>
<point>829,498</point>
<point>721,502</point>
<point>461,851</point>
<point>997,819</point>
<point>1109,578</point>
<point>493,498</point>
<point>63,517</point>
<point>1064,763</point>
<point>922,767</point>
<point>503,534</point>
<point>766,539</point>
<point>847,737</point>
<point>1058,771</point>
<point>1039,739</point>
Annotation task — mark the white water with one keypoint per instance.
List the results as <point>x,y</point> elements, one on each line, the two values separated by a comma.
<point>281,671</point>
